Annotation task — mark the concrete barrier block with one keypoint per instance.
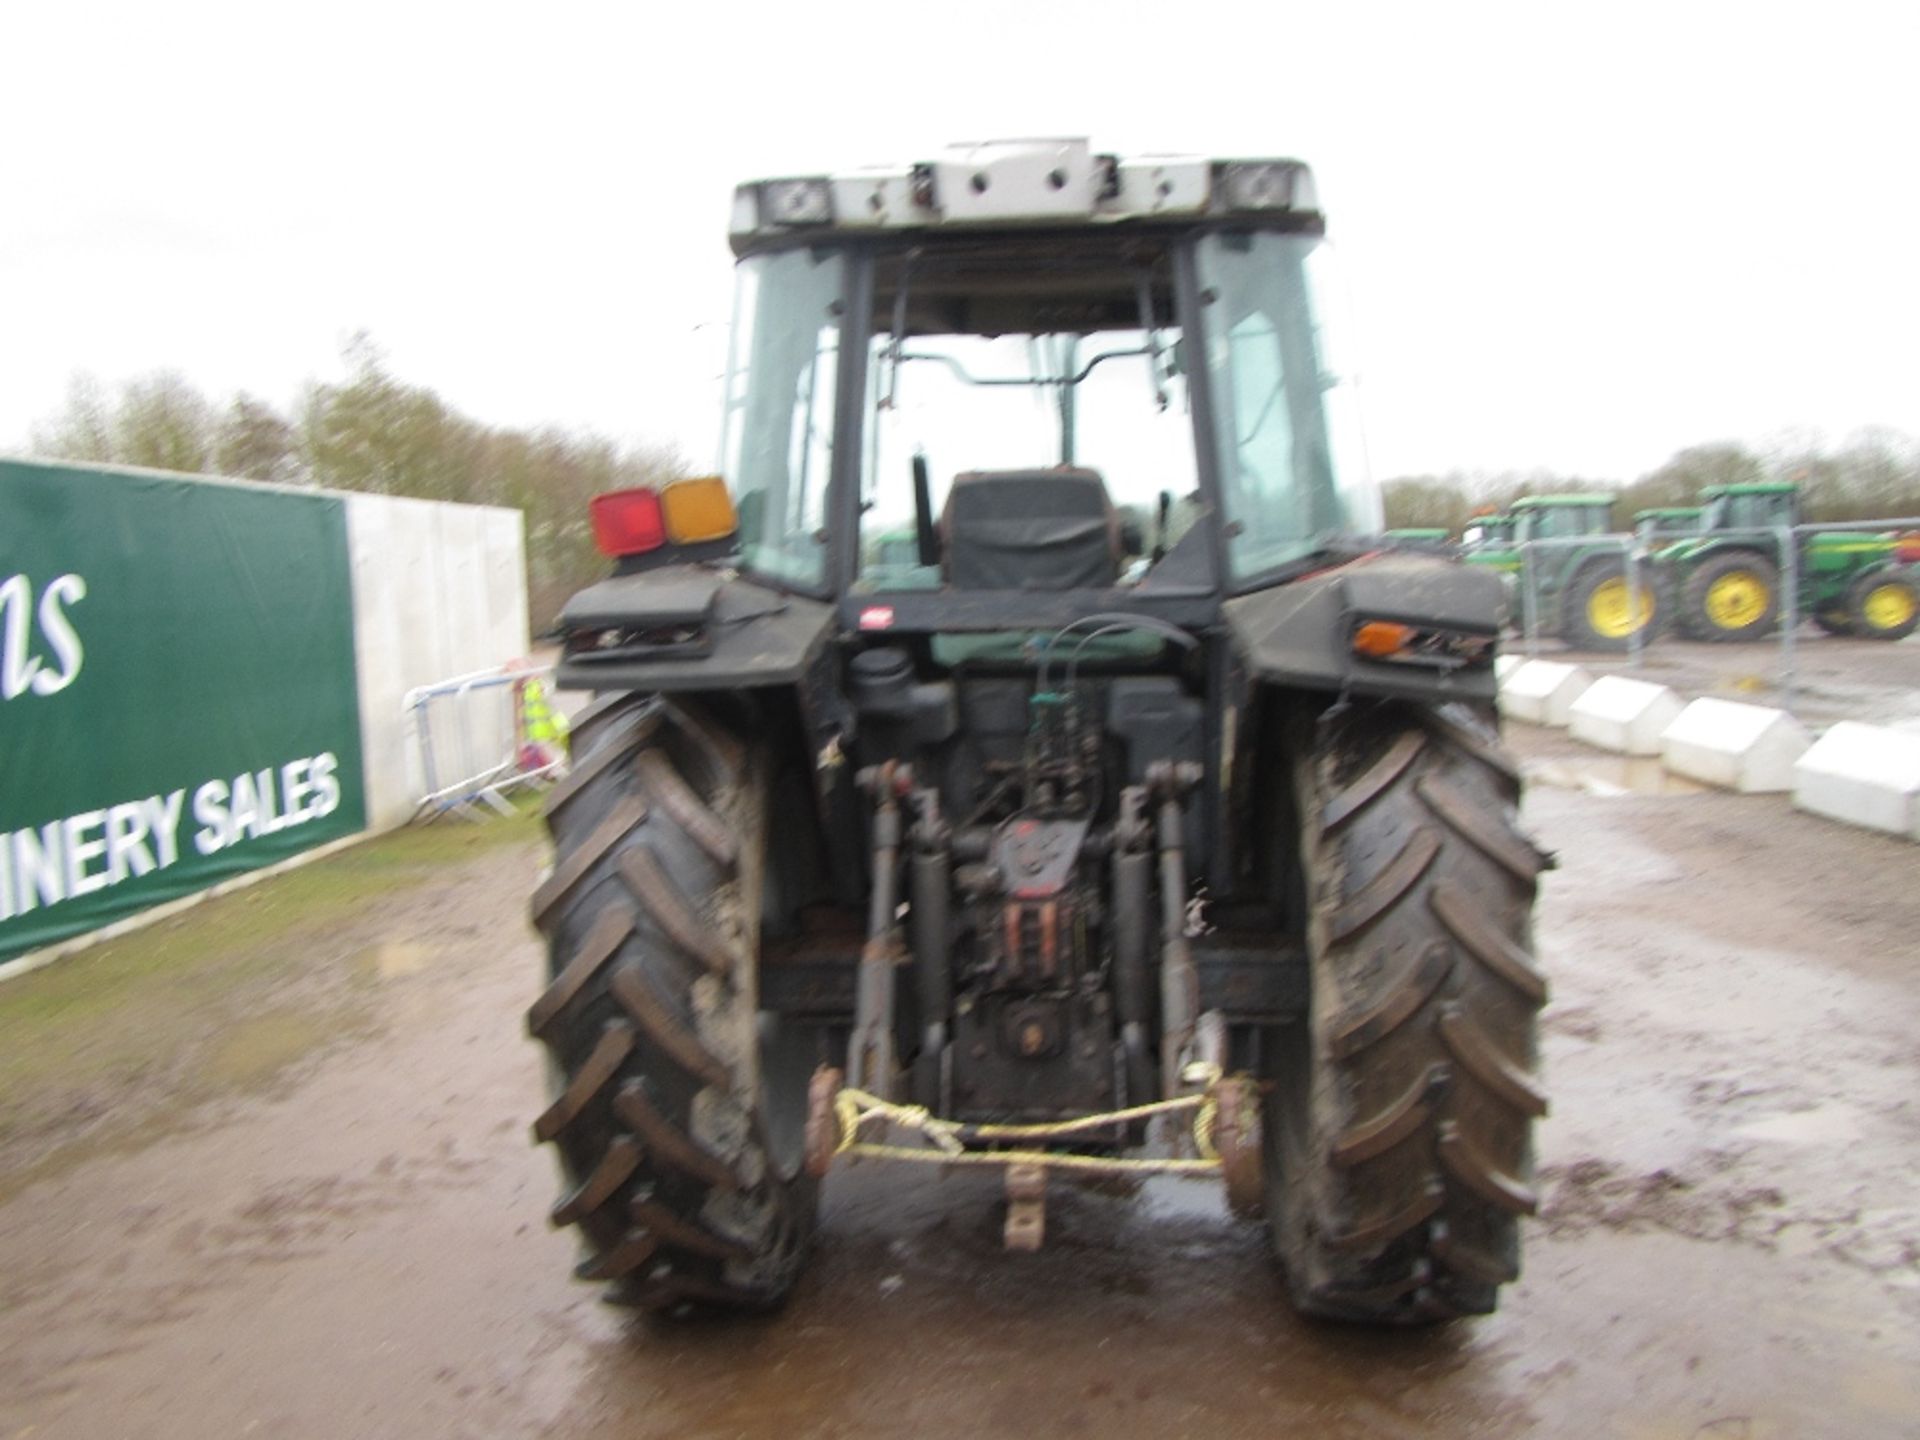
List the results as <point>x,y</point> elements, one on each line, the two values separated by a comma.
<point>1542,692</point>
<point>1505,665</point>
<point>1626,716</point>
<point>1866,775</point>
<point>1737,747</point>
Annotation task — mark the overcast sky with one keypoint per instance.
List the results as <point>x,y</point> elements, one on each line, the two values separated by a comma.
<point>1576,236</point>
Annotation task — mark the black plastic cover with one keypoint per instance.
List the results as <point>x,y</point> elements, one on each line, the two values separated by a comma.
<point>1155,720</point>
<point>1301,633</point>
<point>1030,529</point>
<point>674,595</point>
<point>756,636</point>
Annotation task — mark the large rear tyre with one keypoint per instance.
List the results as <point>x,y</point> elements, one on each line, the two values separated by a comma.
<point>1884,605</point>
<point>1599,610</point>
<point>677,1121</point>
<point>1399,1132</point>
<point>1732,597</point>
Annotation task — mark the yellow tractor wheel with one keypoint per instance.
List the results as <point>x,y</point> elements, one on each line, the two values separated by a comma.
<point>1733,596</point>
<point>1601,613</point>
<point>1885,605</point>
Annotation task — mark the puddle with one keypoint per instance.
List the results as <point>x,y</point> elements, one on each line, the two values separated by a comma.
<point>1611,775</point>
<point>1827,1122</point>
<point>394,959</point>
<point>253,1051</point>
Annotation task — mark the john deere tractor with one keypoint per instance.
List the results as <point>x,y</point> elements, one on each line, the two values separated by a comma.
<point>1729,578</point>
<point>1491,531</point>
<point>1422,537</point>
<point>929,815</point>
<point>1660,524</point>
<point>1560,555</point>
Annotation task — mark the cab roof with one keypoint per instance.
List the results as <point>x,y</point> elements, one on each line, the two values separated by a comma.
<point>1750,487</point>
<point>1017,184</point>
<point>1530,502</point>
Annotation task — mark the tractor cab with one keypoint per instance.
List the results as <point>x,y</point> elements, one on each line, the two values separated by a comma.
<point>1560,517</point>
<point>1486,532</point>
<point>1055,371</point>
<point>1662,524</point>
<point>1754,505</point>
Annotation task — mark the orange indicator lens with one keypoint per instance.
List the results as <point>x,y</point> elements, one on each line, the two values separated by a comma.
<point>1378,639</point>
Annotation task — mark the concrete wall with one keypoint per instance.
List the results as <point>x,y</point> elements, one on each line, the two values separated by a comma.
<point>439,590</point>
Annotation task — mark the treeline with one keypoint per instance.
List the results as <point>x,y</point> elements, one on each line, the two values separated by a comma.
<point>1873,474</point>
<point>369,432</point>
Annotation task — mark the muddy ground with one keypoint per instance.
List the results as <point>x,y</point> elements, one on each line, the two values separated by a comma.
<point>305,1204</point>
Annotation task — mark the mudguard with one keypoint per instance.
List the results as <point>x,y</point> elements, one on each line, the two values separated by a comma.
<point>1300,634</point>
<point>685,627</point>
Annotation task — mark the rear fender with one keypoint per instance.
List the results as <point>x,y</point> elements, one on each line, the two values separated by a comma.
<point>686,628</point>
<point>688,632</point>
<point>1300,635</point>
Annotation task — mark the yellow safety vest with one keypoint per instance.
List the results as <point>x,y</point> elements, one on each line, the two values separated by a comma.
<point>539,721</point>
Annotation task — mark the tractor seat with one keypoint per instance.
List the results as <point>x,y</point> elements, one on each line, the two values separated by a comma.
<point>1030,530</point>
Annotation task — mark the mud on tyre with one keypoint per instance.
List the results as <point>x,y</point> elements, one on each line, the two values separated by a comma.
<point>1400,1133</point>
<point>685,1183</point>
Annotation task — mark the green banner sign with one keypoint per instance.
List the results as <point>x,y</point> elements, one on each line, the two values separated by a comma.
<point>177,692</point>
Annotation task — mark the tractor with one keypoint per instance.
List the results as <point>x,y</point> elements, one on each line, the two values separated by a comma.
<point>1561,556</point>
<point>927,812</point>
<point>1728,578</point>
<point>1491,531</point>
<point>1422,537</point>
<point>1660,524</point>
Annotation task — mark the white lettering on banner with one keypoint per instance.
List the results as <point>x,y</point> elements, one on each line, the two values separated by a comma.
<point>210,809</point>
<point>76,856</point>
<point>163,822</point>
<point>38,863</point>
<point>250,806</point>
<point>80,851</point>
<point>127,841</point>
<point>326,786</point>
<point>20,669</point>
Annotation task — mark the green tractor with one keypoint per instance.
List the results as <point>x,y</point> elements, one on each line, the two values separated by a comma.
<point>1428,539</point>
<point>1660,525</point>
<point>1578,579</point>
<point>1486,532</point>
<point>1728,578</point>
<point>926,814</point>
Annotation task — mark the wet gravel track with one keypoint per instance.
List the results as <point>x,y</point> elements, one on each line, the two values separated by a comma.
<point>1729,1245</point>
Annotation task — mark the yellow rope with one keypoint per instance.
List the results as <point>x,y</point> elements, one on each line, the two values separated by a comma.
<point>1203,1122</point>
<point>1052,1159</point>
<point>854,1108</point>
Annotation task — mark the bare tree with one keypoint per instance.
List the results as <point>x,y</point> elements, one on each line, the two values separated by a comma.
<point>82,430</point>
<point>163,422</point>
<point>255,442</point>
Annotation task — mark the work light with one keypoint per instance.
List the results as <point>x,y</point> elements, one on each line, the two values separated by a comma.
<point>796,202</point>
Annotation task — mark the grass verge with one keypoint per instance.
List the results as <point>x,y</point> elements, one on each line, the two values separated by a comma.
<point>219,999</point>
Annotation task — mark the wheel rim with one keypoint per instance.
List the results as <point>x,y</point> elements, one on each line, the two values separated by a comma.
<point>1611,613</point>
<point>1887,607</point>
<point>1737,599</point>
